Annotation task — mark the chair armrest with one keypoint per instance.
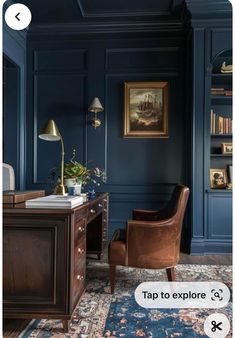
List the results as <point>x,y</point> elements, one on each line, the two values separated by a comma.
<point>145,215</point>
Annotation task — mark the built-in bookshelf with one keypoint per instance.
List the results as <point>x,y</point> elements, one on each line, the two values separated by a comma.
<point>221,122</point>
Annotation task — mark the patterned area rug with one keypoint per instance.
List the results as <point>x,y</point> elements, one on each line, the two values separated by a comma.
<point>100,314</point>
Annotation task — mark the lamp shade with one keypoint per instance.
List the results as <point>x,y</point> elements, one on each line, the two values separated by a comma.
<point>50,132</point>
<point>95,105</point>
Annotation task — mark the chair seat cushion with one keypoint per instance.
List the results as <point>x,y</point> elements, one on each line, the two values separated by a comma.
<point>117,248</point>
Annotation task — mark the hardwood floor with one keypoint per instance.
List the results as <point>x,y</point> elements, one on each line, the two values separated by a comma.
<point>12,328</point>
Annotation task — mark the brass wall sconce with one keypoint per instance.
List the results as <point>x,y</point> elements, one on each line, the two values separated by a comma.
<point>95,107</point>
<point>50,132</point>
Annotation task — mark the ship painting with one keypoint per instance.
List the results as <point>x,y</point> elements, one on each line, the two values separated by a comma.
<point>149,108</point>
<point>146,109</point>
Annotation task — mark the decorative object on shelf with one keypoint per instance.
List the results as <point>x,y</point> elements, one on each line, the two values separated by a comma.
<point>50,132</point>
<point>146,109</point>
<point>95,107</point>
<point>226,68</point>
<point>77,175</point>
<point>218,178</point>
<point>227,148</point>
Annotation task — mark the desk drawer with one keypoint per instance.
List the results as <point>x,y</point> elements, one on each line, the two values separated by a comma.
<point>78,282</point>
<point>94,210</point>
<point>79,252</point>
<point>79,230</point>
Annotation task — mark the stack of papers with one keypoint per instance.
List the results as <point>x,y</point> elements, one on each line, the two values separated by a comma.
<point>54,202</point>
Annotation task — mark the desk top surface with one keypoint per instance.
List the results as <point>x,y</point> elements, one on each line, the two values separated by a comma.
<point>21,208</point>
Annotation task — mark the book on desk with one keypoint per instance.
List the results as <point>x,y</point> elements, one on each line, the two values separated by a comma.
<point>55,202</point>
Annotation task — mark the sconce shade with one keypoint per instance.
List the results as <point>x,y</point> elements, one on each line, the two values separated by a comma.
<point>95,106</point>
<point>50,132</point>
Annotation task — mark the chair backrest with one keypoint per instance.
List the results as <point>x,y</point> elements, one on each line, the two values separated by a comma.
<point>177,203</point>
<point>8,177</point>
<point>154,245</point>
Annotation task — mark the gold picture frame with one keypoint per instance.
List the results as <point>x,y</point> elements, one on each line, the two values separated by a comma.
<point>226,148</point>
<point>146,109</point>
<point>218,178</point>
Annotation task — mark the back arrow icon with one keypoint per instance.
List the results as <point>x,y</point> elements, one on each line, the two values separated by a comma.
<point>17,16</point>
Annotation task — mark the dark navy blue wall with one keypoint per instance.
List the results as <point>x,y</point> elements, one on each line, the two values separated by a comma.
<point>63,77</point>
<point>10,115</point>
<point>14,48</point>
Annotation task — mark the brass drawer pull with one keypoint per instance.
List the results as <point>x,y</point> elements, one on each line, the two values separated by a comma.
<point>100,205</point>
<point>80,277</point>
<point>81,250</point>
<point>92,211</point>
<point>81,229</point>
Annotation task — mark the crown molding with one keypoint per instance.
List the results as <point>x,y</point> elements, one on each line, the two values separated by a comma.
<point>106,27</point>
<point>129,13</point>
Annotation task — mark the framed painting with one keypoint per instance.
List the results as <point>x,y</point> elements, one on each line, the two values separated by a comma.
<point>226,148</point>
<point>146,109</point>
<point>218,178</point>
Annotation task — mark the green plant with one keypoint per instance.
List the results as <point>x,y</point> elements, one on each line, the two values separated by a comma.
<point>90,177</point>
<point>74,169</point>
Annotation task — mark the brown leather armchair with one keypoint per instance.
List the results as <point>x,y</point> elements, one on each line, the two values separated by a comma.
<point>152,239</point>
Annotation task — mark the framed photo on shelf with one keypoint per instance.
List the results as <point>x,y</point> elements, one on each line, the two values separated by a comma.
<point>146,109</point>
<point>218,178</point>
<point>226,148</point>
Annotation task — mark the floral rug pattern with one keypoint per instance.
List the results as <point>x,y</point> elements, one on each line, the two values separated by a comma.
<point>100,314</point>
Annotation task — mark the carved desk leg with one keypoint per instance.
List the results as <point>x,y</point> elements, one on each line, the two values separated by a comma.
<point>66,325</point>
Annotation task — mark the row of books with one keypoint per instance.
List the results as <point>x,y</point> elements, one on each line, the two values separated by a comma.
<point>221,91</point>
<point>220,124</point>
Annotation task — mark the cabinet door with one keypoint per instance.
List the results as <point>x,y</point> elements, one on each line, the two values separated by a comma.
<point>35,264</point>
<point>220,216</point>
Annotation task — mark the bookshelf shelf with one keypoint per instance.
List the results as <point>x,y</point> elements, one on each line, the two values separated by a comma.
<point>219,191</point>
<point>221,98</point>
<point>221,135</point>
<point>221,155</point>
<point>222,75</point>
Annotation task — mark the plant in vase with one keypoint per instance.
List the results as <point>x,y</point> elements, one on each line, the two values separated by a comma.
<point>74,174</point>
<point>77,175</point>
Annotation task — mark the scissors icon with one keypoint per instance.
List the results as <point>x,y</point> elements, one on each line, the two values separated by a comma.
<point>216,326</point>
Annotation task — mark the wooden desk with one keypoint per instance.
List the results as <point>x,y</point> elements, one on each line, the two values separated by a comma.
<point>44,257</point>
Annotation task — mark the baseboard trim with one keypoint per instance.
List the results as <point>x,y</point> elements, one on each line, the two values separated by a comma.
<point>210,247</point>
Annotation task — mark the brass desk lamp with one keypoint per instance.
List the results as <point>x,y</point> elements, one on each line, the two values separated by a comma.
<point>50,132</point>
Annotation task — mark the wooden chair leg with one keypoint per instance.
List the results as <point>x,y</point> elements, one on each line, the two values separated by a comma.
<point>66,325</point>
<point>112,275</point>
<point>171,274</point>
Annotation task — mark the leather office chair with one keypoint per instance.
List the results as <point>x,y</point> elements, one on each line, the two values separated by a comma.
<point>152,239</point>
